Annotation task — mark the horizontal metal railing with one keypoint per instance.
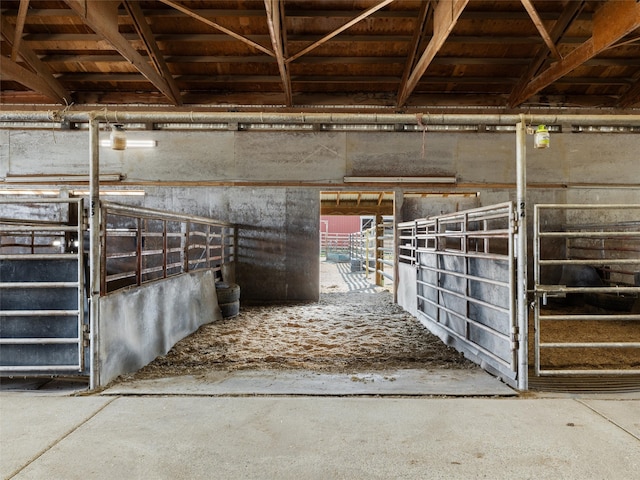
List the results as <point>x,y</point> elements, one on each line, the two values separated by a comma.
<point>139,245</point>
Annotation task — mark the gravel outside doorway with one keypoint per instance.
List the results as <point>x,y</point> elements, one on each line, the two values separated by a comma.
<point>354,328</point>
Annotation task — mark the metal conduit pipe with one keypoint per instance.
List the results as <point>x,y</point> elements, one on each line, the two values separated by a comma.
<point>314,118</point>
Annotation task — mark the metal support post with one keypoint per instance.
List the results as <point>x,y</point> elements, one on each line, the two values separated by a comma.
<point>94,252</point>
<point>521,254</point>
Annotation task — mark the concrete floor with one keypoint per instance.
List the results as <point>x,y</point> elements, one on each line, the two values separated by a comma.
<point>449,424</point>
<point>52,433</point>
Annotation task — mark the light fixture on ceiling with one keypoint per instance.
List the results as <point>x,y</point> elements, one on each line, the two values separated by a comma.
<point>440,194</point>
<point>114,193</point>
<point>441,179</point>
<point>132,143</point>
<point>61,178</point>
<point>38,192</point>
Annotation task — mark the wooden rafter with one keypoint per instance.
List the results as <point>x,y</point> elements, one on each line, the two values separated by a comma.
<point>418,35</point>
<point>630,97</point>
<point>445,16</point>
<point>102,18</point>
<point>275,20</point>
<point>17,37</point>
<point>344,27</point>
<point>611,22</point>
<point>10,70</point>
<point>53,89</point>
<point>157,58</point>
<point>568,15</point>
<point>537,21</point>
<point>217,26</point>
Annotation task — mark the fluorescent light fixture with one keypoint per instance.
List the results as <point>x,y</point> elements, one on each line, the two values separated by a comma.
<point>440,194</point>
<point>53,193</point>
<point>107,177</point>
<point>132,143</point>
<point>400,179</point>
<point>115,193</point>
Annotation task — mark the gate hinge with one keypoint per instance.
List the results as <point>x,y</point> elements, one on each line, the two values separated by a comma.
<point>86,337</point>
<point>515,338</point>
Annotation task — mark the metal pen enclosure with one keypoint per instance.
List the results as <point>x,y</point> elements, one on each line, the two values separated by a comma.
<point>587,289</point>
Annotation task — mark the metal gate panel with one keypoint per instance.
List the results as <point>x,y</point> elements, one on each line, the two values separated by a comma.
<point>587,289</point>
<point>42,301</point>
<point>465,281</point>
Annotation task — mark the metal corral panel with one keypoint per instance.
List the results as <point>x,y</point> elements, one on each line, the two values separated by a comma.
<point>40,331</point>
<point>464,282</point>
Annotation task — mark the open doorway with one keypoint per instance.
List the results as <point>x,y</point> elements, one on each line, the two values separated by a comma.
<point>356,241</point>
<point>355,329</point>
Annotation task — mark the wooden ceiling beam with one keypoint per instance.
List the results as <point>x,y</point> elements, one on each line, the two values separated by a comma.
<point>277,30</point>
<point>568,15</point>
<point>631,97</point>
<point>344,27</point>
<point>306,13</point>
<point>537,21</point>
<point>418,36</point>
<point>54,88</point>
<point>445,17</point>
<point>43,38</point>
<point>102,18</point>
<point>173,59</point>
<point>17,36</point>
<point>611,22</point>
<point>10,70</point>
<point>217,26</point>
<point>157,58</point>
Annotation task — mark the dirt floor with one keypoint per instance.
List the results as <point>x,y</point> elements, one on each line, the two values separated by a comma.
<point>355,327</point>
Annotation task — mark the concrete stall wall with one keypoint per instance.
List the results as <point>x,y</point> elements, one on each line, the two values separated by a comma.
<point>269,182</point>
<point>137,325</point>
<point>277,237</point>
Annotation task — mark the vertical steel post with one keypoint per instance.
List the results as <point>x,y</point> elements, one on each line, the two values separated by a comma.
<point>398,200</point>
<point>165,246</point>
<point>139,239</point>
<point>94,252</point>
<point>521,254</point>
<point>378,252</point>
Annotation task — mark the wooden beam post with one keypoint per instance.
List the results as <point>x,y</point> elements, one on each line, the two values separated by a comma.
<point>277,31</point>
<point>445,17</point>
<point>611,22</point>
<point>102,18</point>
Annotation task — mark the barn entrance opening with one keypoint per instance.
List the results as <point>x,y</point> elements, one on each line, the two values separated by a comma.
<point>357,237</point>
